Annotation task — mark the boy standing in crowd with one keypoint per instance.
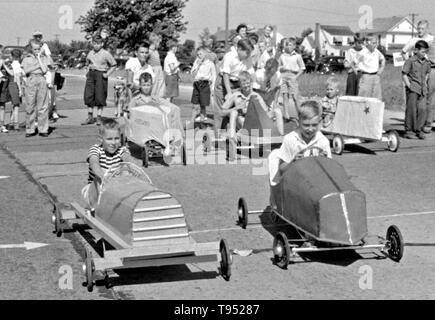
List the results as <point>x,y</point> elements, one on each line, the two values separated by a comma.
<point>291,68</point>
<point>205,77</point>
<point>371,64</point>
<point>416,73</point>
<point>101,65</point>
<point>171,68</point>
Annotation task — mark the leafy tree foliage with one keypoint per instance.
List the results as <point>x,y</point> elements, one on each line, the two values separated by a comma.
<point>130,21</point>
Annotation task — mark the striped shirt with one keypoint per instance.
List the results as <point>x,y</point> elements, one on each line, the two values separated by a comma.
<point>106,160</point>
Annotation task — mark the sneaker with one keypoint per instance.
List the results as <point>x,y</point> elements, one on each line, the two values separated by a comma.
<point>89,120</point>
<point>198,119</point>
<point>421,136</point>
<point>3,129</point>
<point>427,130</point>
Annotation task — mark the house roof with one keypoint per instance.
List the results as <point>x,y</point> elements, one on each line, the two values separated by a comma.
<point>382,25</point>
<point>338,30</point>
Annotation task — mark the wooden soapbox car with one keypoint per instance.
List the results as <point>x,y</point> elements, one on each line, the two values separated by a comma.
<point>144,226</point>
<point>147,127</point>
<point>358,120</point>
<point>316,197</point>
<point>258,131</point>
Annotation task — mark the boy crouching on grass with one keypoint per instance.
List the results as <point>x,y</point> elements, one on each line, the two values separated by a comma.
<point>330,101</point>
<point>415,73</point>
<point>108,154</point>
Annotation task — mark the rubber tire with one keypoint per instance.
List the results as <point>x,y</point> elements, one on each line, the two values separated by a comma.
<point>394,135</point>
<point>394,237</point>
<point>145,156</point>
<point>281,239</point>
<point>338,144</point>
<point>242,213</point>
<point>57,223</point>
<point>183,154</point>
<point>226,260</point>
<point>90,267</point>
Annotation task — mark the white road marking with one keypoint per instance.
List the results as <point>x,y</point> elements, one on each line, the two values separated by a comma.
<point>404,215</point>
<point>26,245</point>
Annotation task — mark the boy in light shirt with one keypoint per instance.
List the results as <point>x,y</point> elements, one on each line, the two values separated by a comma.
<point>205,77</point>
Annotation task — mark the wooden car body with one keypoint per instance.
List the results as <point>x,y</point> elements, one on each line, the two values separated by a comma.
<point>316,196</point>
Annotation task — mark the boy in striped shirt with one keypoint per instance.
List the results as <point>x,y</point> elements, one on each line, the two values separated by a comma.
<point>102,157</point>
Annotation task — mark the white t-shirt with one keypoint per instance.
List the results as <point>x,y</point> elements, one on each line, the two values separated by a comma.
<point>260,80</point>
<point>292,144</point>
<point>18,71</point>
<point>409,47</point>
<point>369,62</point>
<point>133,64</point>
<point>233,65</point>
<point>170,59</point>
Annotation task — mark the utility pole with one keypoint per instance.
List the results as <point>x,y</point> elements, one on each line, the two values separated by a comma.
<point>56,36</point>
<point>413,15</point>
<point>317,42</point>
<point>227,15</point>
<point>18,41</point>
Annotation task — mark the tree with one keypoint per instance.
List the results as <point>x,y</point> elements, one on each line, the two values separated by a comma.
<point>186,51</point>
<point>130,21</point>
<point>206,39</point>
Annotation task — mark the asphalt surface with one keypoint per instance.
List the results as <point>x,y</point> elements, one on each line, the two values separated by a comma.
<point>36,171</point>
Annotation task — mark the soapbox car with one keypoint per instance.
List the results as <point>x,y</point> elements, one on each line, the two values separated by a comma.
<point>259,131</point>
<point>156,127</point>
<point>142,225</point>
<point>315,196</point>
<point>358,120</point>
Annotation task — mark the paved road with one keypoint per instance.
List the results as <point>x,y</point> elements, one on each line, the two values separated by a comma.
<point>399,190</point>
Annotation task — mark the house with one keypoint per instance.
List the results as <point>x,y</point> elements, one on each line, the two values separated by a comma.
<point>334,40</point>
<point>392,33</point>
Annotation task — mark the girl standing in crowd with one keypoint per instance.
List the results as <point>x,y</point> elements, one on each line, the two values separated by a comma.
<point>155,63</point>
<point>171,68</point>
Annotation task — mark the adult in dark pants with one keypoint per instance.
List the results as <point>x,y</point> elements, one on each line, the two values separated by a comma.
<point>101,65</point>
<point>350,62</point>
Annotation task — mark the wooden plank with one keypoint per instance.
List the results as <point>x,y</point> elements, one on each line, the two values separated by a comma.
<point>156,203</point>
<point>107,234</point>
<point>150,219</point>
<point>160,242</point>
<point>157,197</point>
<point>140,210</point>
<point>141,215</point>
<point>151,252</point>
<point>117,263</point>
<point>161,237</point>
<point>154,228</point>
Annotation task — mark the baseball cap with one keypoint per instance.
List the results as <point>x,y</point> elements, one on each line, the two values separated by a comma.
<point>37,33</point>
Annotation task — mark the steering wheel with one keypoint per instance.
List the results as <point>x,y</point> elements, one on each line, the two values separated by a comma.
<point>314,151</point>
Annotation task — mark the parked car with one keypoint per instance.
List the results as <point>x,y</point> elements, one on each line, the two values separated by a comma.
<point>310,64</point>
<point>331,64</point>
